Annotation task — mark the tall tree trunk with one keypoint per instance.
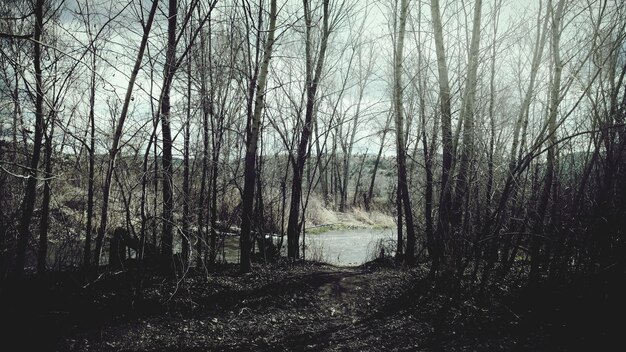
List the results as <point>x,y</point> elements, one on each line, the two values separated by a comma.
<point>142,205</point>
<point>167,239</point>
<point>92,161</point>
<point>30,195</point>
<point>354,126</point>
<point>548,185</point>
<point>467,151</point>
<point>45,203</point>
<point>252,136</point>
<point>213,208</point>
<point>207,108</point>
<point>429,151</point>
<point>106,187</point>
<point>403,186</point>
<point>492,244</point>
<point>186,180</point>
<point>155,183</point>
<point>313,76</point>
<point>445,199</point>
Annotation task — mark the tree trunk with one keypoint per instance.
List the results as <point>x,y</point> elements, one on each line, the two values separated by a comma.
<point>409,257</point>
<point>428,192</point>
<point>252,137</point>
<point>357,186</point>
<point>45,203</point>
<point>186,180</point>
<point>167,239</point>
<point>467,151</point>
<point>370,191</point>
<point>521,123</point>
<point>399,229</point>
<point>445,199</point>
<point>106,187</point>
<point>555,98</point>
<point>485,231</point>
<point>207,110</point>
<point>213,207</point>
<point>312,82</point>
<point>30,195</point>
<point>92,161</point>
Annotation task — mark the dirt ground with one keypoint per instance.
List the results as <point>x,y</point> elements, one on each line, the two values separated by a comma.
<point>299,307</point>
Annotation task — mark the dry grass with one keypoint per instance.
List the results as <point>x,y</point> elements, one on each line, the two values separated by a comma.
<point>319,216</point>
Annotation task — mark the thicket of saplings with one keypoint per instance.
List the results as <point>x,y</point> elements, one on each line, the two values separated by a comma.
<point>580,233</point>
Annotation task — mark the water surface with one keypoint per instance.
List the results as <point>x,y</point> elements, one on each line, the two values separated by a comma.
<point>351,247</point>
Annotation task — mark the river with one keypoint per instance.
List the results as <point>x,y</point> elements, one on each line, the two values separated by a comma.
<point>348,247</point>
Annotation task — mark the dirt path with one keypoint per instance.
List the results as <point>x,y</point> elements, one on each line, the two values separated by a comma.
<point>292,308</point>
<point>314,309</point>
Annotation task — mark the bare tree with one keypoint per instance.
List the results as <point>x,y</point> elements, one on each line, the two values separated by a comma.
<point>445,199</point>
<point>28,202</point>
<point>467,148</point>
<point>252,137</point>
<point>403,188</point>
<point>113,151</point>
<point>313,76</point>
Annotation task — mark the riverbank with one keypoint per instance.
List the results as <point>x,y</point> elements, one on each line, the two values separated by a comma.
<point>321,219</point>
<point>300,306</point>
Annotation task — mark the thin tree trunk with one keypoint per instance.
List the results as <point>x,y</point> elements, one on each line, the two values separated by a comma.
<point>323,168</point>
<point>549,179</point>
<point>312,82</point>
<point>106,188</point>
<point>370,191</point>
<point>492,244</point>
<point>45,203</point>
<point>213,207</point>
<point>207,110</point>
<point>30,195</point>
<point>252,137</point>
<point>522,118</point>
<point>92,161</point>
<point>186,180</point>
<point>358,180</point>
<point>409,257</point>
<point>355,125</point>
<point>167,239</point>
<point>142,206</point>
<point>467,152</point>
<point>445,199</point>
<point>428,192</point>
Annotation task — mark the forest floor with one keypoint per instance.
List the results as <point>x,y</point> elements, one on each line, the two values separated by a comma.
<point>301,306</point>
